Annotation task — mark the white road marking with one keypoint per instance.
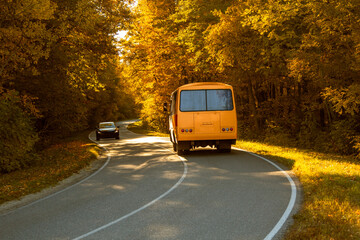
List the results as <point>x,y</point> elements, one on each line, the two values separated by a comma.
<point>291,203</point>
<point>270,236</point>
<point>141,208</point>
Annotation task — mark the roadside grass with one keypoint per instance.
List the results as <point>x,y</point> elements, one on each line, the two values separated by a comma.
<point>331,188</point>
<point>53,165</point>
<point>139,128</point>
<point>330,184</point>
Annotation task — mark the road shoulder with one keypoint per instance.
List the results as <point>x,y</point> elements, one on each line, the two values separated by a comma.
<point>10,206</point>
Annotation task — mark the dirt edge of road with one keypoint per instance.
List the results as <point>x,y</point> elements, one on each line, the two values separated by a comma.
<point>75,178</point>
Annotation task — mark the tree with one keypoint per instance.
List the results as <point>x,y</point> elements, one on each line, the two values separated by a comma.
<point>192,20</point>
<point>294,64</point>
<point>17,133</point>
<point>23,36</point>
<point>165,50</point>
<point>82,53</point>
<point>152,60</point>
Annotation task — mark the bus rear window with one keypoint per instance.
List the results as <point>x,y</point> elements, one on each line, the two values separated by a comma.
<point>193,100</point>
<point>206,100</point>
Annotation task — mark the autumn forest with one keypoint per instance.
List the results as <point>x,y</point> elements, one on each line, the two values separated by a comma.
<point>294,66</point>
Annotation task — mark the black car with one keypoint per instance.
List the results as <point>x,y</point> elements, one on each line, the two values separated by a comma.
<point>107,130</point>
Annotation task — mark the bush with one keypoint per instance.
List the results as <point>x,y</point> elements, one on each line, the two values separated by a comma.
<point>340,137</point>
<point>153,116</point>
<point>344,136</point>
<point>17,133</point>
<point>314,138</point>
<point>277,135</point>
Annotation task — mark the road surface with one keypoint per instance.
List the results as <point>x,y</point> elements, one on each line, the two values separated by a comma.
<point>145,191</point>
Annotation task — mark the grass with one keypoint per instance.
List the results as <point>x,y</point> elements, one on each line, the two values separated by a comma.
<point>331,183</point>
<point>331,189</point>
<point>55,163</point>
<point>139,128</point>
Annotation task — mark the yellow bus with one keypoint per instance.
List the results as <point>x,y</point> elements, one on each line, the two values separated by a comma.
<point>203,114</point>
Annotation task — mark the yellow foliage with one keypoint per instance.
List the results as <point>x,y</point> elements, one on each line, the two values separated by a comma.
<point>23,34</point>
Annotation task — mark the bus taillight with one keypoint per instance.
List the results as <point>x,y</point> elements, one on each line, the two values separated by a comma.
<point>176,120</point>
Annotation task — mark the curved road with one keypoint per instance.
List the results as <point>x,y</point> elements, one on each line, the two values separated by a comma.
<point>147,192</point>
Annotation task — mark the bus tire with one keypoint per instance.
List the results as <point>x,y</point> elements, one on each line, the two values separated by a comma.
<point>178,150</point>
<point>182,148</point>
<point>183,152</point>
<point>224,147</point>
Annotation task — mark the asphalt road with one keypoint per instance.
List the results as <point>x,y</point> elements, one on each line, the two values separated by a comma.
<point>145,191</point>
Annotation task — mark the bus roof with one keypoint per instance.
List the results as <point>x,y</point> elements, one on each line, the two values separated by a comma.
<point>202,85</point>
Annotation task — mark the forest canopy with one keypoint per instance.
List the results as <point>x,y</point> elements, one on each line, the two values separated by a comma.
<point>294,65</point>
<point>59,72</point>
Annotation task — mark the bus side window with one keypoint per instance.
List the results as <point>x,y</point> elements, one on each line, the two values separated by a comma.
<point>173,103</point>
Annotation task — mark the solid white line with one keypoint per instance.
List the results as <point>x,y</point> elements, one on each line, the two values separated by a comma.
<point>65,189</point>
<point>273,232</point>
<point>291,203</point>
<point>141,208</point>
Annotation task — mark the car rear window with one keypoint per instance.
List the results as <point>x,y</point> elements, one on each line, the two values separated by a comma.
<point>106,125</point>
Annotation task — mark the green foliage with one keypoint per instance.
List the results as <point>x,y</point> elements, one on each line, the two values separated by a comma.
<point>17,133</point>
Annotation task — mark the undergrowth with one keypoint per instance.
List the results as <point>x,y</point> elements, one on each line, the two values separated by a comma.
<point>53,164</point>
